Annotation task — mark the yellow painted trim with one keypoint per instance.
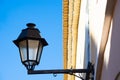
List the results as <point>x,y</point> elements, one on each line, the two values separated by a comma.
<point>71,11</point>
<point>65,33</point>
<point>69,62</point>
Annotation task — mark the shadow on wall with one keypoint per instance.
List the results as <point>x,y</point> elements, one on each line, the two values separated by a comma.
<point>112,68</point>
<point>118,76</point>
<point>114,58</point>
<point>93,49</point>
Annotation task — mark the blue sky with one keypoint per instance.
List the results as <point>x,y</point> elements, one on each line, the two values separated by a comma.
<point>14,15</point>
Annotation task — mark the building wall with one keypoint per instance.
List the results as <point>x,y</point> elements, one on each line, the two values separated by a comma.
<point>111,65</point>
<point>104,43</point>
<point>81,56</point>
<point>96,21</point>
<point>97,10</point>
<point>109,11</point>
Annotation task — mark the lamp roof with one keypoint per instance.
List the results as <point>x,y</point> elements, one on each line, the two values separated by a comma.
<point>30,33</point>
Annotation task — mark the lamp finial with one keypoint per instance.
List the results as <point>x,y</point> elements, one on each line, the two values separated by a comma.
<point>30,25</point>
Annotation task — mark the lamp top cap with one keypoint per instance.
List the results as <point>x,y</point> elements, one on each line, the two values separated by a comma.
<point>30,25</point>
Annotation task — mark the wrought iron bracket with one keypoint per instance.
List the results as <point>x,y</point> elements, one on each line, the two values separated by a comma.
<point>89,71</point>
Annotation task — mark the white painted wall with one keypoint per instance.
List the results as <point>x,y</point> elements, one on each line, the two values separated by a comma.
<point>96,21</point>
<point>80,57</point>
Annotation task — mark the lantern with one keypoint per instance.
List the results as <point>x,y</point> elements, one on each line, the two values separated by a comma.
<point>30,45</point>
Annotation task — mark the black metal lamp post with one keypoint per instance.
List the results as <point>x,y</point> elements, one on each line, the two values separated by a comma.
<point>31,44</point>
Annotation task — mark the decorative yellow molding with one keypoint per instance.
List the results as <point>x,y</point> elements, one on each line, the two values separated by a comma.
<point>65,33</point>
<point>71,11</point>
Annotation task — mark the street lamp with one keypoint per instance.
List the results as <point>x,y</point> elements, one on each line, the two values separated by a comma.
<point>31,44</point>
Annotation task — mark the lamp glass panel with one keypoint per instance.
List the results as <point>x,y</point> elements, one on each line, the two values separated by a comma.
<point>39,52</point>
<point>23,50</point>
<point>33,48</point>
